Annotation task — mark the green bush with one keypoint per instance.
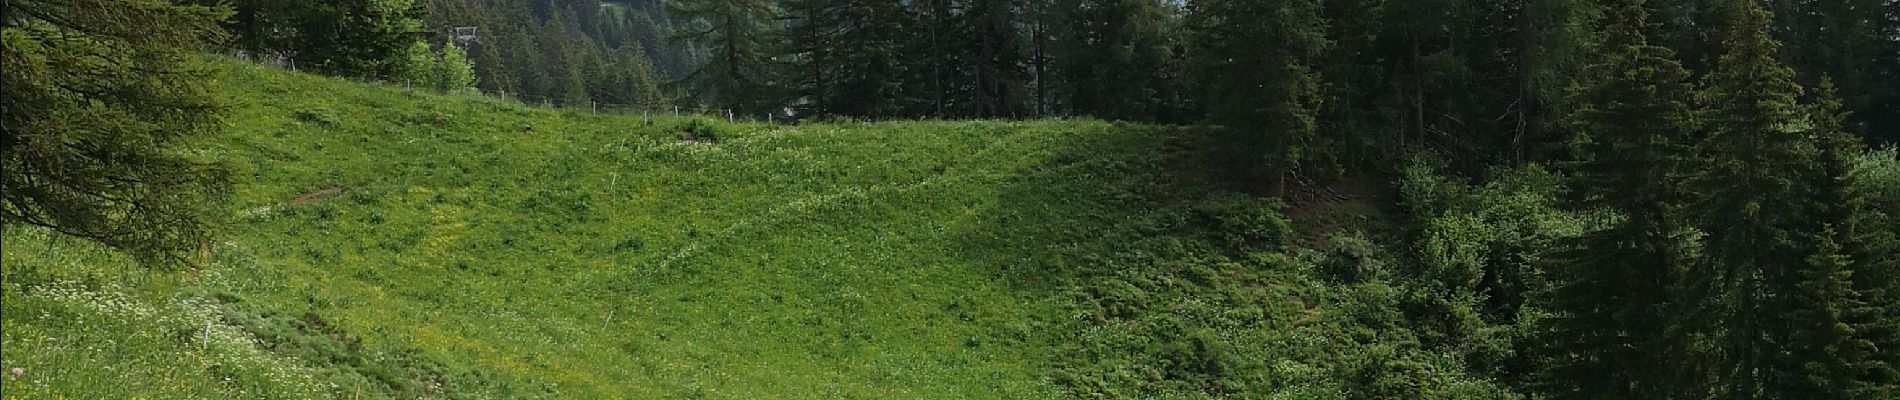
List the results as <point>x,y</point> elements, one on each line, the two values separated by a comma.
<point>1243,222</point>
<point>1352,258</point>
<point>1877,177</point>
<point>454,72</point>
<point>446,70</point>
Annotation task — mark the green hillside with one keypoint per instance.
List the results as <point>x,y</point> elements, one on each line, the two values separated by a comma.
<point>390,243</point>
<point>1296,199</point>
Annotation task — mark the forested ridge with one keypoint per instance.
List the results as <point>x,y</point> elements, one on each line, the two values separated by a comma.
<point>1489,78</point>
<point>1274,199</point>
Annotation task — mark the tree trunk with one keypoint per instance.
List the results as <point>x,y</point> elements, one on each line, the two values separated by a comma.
<point>1418,95</point>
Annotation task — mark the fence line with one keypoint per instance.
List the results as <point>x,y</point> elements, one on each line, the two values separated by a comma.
<point>646,110</point>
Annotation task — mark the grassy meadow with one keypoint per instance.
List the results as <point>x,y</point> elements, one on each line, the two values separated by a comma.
<point>381,242</point>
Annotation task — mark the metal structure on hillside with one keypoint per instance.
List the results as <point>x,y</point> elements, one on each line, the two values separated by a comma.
<point>465,35</point>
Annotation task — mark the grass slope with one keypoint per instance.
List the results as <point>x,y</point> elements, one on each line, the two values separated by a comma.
<point>485,249</point>
<point>388,243</point>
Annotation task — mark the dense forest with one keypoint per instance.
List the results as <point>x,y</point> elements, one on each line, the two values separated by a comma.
<point>1339,83</point>
<point>1562,199</point>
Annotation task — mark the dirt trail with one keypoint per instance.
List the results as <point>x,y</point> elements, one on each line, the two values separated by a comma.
<point>312,197</point>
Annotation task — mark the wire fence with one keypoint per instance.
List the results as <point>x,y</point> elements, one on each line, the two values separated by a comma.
<point>593,106</point>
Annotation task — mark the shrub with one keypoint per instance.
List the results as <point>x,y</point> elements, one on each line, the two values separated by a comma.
<point>447,70</point>
<point>454,72</point>
<point>1242,222</point>
<point>415,65</point>
<point>1877,176</point>
<point>1352,259</point>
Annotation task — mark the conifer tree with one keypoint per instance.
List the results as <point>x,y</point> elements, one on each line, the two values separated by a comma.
<point>1767,252</point>
<point>735,34</point>
<point>934,47</point>
<point>632,80</point>
<point>350,37</point>
<point>1557,38</point>
<point>870,45</point>
<point>568,63</point>
<point>1823,300</point>
<point>492,71</point>
<point>1829,308</point>
<point>1850,42</point>
<point>994,54</point>
<point>100,99</point>
<point>1697,29</point>
<point>1611,331</point>
<point>1359,81</point>
<point>1113,54</point>
<point>811,53</point>
<point>846,57</point>
<point>1856,264</point>
<point>1255,59</point>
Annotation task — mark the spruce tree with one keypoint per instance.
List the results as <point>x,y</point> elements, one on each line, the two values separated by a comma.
<point>1256,63</point>
<point>1611,331</point>
<point>933,45</point>
<point>1112,55</point>
<point>1696,29</point>
<point>994,55</point>
<point>847,57</point>
<point>101,99</point>
<point>350,37</point>
<point>1362,109</point>
<point>634,81</point>
<point>1860,363</point>
<point>492,72</point>
<point>869,45</point>
<point>1849,42</point>
<point>1823,304</point>
<point>568,61</point>
<point>1830,308</point>
<point>735,34</point>
<point>811,54</point>
<point>1771,273</point>
<point>1557,37</point>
